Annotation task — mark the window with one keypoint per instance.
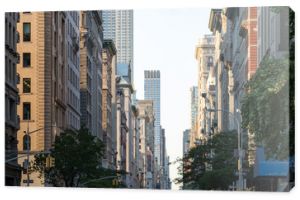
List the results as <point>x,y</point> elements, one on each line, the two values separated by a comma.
<point>13,75</point>
<point>12,110</point>
<point>26,111</point>
<point>26,85</point>
<point>6,34</point>
<point>6,68</point>
<point>26,59</point>
<point>9,70</point>
<point>26,32</point>
<point>13,37</point>
<point>9,34</point>
<point>26,142</point>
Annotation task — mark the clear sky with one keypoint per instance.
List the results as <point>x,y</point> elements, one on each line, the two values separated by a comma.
<point>165,40</point>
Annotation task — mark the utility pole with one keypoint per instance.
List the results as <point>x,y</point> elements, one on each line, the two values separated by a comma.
<point>240,184</point>
<point>28,144</point>
<point>27,152</point>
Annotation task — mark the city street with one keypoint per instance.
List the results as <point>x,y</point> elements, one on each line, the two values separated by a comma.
<point>183,99</point>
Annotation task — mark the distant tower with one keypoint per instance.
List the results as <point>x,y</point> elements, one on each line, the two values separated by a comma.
<point>152,92</point>
<point>118,26</point>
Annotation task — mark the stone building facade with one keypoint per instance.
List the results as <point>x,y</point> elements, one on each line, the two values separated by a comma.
<point>43,87</point>
<point>12,119</point>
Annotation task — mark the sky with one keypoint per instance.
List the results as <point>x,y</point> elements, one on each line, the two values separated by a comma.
<point>165,40</point>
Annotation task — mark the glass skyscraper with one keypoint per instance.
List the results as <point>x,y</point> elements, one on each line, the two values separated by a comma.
<point>118,26</point>
<point>152,92</point>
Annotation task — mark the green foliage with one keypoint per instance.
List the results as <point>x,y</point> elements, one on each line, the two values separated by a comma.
<point>268,109</point>
<point>210,166</point>
<point>292,81</point>
<point>77,157</point>
<point>265,107</point>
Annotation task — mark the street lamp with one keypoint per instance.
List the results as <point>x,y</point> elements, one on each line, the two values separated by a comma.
<point>240,152</point>
<point>27,133</point>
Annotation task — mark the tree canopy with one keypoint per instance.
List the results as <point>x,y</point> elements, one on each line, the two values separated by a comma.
<point>211,165</point>
<point>78,156</point>
<point>265,107</point>
<point>268,109</point>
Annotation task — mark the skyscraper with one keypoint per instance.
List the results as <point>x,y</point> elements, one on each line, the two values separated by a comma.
<point>152,92</point>
<point>118,26</point>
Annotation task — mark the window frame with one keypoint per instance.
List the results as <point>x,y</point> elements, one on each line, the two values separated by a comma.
<point>27,92</point>
<point>26,36</point>
<point>26,146</point>
<point>26,53</point>
<point>24,116</point>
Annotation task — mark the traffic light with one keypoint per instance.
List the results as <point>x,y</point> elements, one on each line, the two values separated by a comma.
<point>25,165</point>
<point>50,161</point>
<point>115,182</point>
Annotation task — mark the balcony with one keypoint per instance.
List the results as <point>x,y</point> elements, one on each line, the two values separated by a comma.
<point>11,50</point>
<point>18,78</point>
<point>18,122</point>
<point>18,37</point>
<point>18,100</point>
<point>18,58</point>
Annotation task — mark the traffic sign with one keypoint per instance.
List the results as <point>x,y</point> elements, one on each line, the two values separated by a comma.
<point>25,181</point>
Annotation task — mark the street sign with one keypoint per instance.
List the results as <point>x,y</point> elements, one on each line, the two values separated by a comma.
<point>236,173</point>
<point>25,181</point>
<point>237,153</point>
<point>25,164</point>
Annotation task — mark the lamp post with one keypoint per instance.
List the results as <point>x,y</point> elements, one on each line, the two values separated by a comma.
<point>240,185</point>
<point>27,133</point>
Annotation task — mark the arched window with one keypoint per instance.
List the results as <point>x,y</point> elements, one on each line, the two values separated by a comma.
<point>26,142</point>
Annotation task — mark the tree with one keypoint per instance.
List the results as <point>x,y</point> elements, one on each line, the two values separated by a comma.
<point>268,108</point>
<point>211,165</point>
<point>265,107</point>
<point>292,81</point>
<point>77,156</point>
<point>292,96</point>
